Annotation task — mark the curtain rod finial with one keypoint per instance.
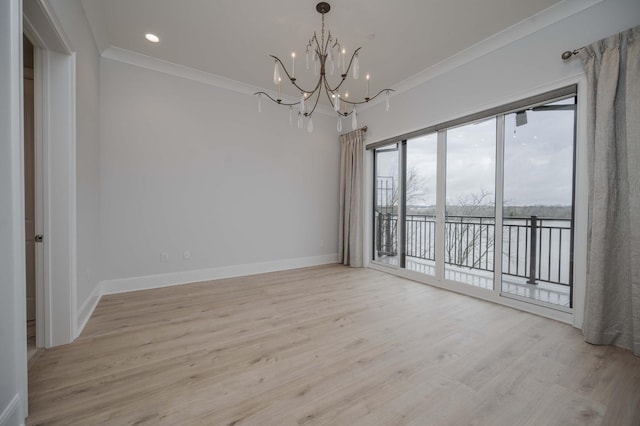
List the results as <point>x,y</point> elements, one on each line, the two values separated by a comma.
<point>569,53</point>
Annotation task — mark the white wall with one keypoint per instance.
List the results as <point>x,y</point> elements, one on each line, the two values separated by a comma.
<point>13,369</point>
<point>190,166</point>
<point>76,28</point>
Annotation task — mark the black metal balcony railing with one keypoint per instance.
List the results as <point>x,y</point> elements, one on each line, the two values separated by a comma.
<point>386,229</point>
<point>468,242</point>
<point>532,248</point>
<point>545,243</point>
<point>421,231</point>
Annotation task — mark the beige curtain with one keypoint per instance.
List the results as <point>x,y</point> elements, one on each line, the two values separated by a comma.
<point>351,232</point>
<point>612,311</point>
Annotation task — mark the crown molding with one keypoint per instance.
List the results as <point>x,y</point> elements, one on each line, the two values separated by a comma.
<point>166,67</point>
<point>176,70</point>
<point>531,25</point>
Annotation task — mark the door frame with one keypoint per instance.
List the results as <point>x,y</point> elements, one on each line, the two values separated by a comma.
<point>55,142</point>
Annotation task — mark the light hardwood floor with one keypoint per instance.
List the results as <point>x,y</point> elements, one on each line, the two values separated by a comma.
<point>327,345</point>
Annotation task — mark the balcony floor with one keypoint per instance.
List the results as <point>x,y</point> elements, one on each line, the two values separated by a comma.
<point>543,291</point>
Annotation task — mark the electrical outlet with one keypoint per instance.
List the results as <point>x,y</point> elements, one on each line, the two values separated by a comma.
<point>164,257</point>
<point>186,254</point>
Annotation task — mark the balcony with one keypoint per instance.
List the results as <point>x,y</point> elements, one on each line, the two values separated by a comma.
<point>536,252</point>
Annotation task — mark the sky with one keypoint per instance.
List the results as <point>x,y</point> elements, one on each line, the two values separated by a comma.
<point>538,160</point>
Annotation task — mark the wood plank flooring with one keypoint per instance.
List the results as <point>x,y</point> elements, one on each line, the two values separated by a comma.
<point>327,346</point>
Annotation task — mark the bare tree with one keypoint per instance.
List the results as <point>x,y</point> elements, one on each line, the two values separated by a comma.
<point>416,190</point>
<point>469,230</point>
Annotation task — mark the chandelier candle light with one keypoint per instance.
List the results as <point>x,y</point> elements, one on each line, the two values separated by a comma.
<point>323,56</point>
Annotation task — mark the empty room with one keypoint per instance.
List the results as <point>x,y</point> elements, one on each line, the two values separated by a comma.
<point>324,213</point>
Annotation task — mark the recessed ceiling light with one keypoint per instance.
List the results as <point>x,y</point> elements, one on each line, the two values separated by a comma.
<point>152,37</point>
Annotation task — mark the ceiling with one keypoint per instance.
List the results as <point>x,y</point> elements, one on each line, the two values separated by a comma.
<point>233,38</point>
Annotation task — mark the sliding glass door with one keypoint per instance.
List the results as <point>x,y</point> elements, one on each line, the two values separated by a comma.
<point>485,201</point>
<point>538,202</point>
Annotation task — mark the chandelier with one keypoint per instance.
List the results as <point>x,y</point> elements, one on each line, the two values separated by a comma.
<point>328,56</point>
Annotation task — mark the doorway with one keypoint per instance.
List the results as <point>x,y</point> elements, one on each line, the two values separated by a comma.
<point>55,181</point>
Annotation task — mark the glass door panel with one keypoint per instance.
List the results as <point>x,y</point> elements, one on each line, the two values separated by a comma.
<point>470,203</point>
<point>420,220</point>
<point>386,202</point>
<point>538,202</point>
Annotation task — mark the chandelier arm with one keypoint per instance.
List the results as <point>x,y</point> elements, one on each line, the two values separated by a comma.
<point>308,114</point>
<point>275,100</point>
<point>291,79</point>
<point>339,84</point>
<point>355,53</point>
<point>346,73</point>
<point>370,99</point>
<point>310,47</point>
<point>326,45</point>
<point>318,50</point>
<point>326,90</point>
<point>341,114</point>
<point>315,89</point>
<point>317,47</point>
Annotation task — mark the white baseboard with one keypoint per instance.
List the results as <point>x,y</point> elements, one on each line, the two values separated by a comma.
<point>87,308</point>
<point>124,285</point>
<point>10,416</point>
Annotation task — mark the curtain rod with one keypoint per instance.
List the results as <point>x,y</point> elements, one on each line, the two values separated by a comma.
<point>363,128</point>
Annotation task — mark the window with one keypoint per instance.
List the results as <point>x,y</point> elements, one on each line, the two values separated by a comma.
<point>484,201</point>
